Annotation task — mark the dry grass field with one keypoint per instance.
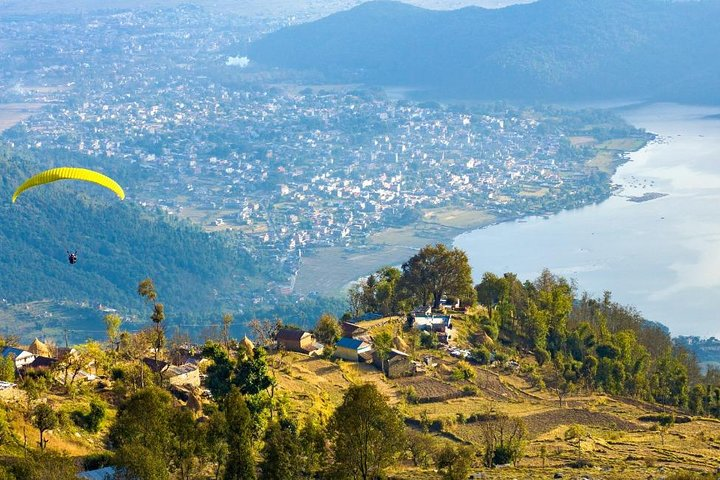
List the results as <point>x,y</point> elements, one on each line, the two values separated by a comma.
<point>615,443</point>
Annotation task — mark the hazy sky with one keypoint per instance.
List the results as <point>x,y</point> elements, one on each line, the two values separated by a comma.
<point>281,8</point>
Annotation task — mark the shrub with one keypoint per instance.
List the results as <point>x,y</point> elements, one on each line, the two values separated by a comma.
<point>92,420</point>
<point>481,355</point>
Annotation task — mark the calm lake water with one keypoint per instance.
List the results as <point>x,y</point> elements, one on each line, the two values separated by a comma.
<point>661,256</point>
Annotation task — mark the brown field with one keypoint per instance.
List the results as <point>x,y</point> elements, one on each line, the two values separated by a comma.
<point>13,113</point>
<point>605,161</point>
<point>458,218</point>
<point>429,389</point>
<point>581,141</point>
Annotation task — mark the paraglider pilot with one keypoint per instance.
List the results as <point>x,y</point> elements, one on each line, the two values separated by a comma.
<point>72,257</point>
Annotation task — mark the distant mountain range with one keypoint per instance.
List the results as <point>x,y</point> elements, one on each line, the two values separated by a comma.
<point>551,50</point>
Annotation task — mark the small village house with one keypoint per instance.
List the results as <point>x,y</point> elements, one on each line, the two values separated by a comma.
<point>297,341</point>
<point>21,357</point>
<point>352,349</point>
<point>352,330</point>
<point>396,364</point>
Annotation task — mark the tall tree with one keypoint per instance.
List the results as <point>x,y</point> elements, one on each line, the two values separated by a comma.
<point>327,329</point>
<point>489,291</point>
<point>281,453</point>
<point>44,418</point>
<point>367,433</point>
<point>240,461</point>
<point>113,322</point>
<point>383,344</point>
<point>143,421</point>
<point>227,321</point>
<point>436,271</point>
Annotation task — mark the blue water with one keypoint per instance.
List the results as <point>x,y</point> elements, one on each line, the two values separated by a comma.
<point>661,256</point>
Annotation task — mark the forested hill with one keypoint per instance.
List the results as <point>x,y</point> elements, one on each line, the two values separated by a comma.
<point>548,50</point>
<point>118,245</point>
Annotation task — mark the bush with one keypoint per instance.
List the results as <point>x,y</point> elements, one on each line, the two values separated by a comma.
<point>92,420</point>
<point>411,395</point>
<point>501,357</point>
<point>503,455</point>
<point>481,355</point>
<point>463,371</point>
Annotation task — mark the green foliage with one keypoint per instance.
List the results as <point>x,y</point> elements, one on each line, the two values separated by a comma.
<point>251,374</point>
<point>463,371</point>
<point>436,271</point>
<point>240,463</point>
<point>454,462</point>
<point>421,447</point>
<point>281,452</point>
<point>136,461</point>
<point>7,369</point>
<point>39,465</point>
<point>6,435</point>
<point>42,225</point>
<point>327,329</point>
<point>44,418</point>
<point>143,424</point>
<point>366,432</point>
<point>92,420</point>
<point>481,355</point>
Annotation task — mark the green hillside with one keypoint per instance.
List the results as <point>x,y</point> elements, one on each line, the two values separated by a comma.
<point>118,244</point>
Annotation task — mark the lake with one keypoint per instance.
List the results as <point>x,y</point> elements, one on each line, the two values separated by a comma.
<point>661,255</point>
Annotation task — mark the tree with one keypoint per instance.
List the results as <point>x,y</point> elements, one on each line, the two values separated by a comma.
<point>44,418</point>
<point>112,327</point>
<point>187,443</point>
<point>139,462</point>
<point>421,446</point>
<point>7,369</point>
<point>281,453</point>
<point>264,331</point>
<point>355,299</point>
<point>216,446</point>
<point>665,422</point>
<point>314,449</point>
<point>454,463</point>
<point>367,433</point>
<point>489,291</point>
<point>251,374</point>
<point>503,438</point>
<point>227,321</point>
<point>143,420</point>
<point>219,372</point>
<point>327,329</point>
<point>146,289</point>
<point>157,318</point>
<point>436,271</point>
<point>383,344</point>
<point>240,461</point>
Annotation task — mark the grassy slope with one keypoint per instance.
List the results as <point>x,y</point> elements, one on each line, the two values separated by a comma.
<point>619,445</point>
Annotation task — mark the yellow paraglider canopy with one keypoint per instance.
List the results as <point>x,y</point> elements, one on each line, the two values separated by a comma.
<point>69,173</point>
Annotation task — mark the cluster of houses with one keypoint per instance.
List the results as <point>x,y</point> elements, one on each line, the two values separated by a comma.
<point>40,356</point>
<point>356,345</point>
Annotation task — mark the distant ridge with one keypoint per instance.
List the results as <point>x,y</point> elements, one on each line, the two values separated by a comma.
<point>563,50</point>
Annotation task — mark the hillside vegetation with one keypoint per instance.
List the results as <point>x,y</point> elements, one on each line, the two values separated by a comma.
<point>118,244</point>
<point>548,50</point>
<point>523,380</point>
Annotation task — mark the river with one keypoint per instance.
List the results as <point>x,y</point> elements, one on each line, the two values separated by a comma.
<point>662,255</point>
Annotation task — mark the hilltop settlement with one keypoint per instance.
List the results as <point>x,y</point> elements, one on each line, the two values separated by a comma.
<point>427,376</point>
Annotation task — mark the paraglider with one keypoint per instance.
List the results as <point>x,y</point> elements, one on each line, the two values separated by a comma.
<point>69,173</point>
<point>72,257</point>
